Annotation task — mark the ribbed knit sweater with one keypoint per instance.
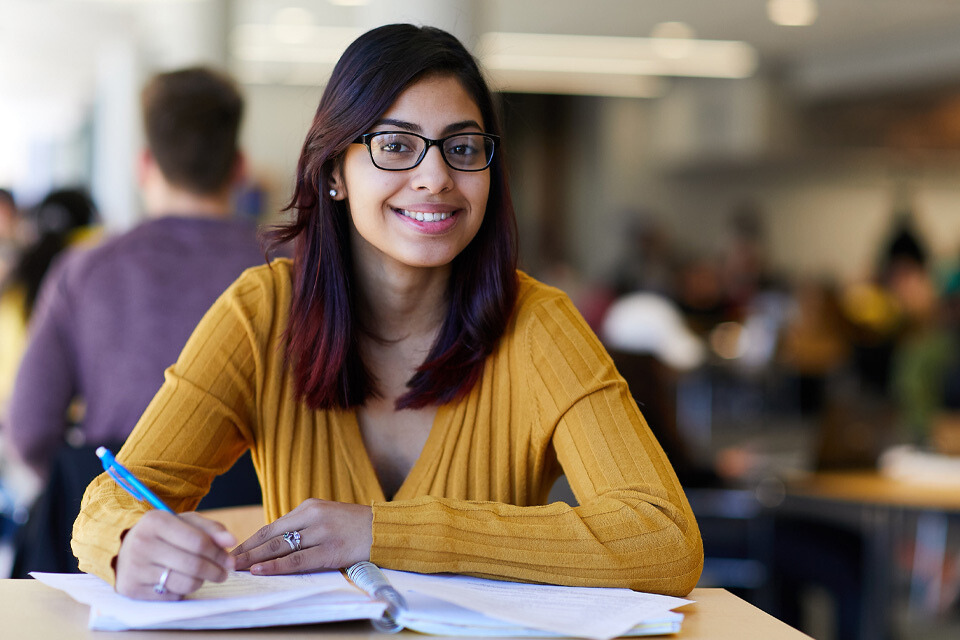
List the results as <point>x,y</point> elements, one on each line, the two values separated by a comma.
<point>549,401</point>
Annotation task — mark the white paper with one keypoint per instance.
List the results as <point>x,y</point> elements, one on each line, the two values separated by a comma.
<point>240,593</point>
<point>572,611</point>
<point>434,616</point>
<point>443,604</point>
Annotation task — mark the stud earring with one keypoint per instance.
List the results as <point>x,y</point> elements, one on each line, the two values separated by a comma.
<point>333,193</point>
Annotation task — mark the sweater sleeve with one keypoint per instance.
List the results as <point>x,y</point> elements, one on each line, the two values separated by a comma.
<point>194,429</point>
<point>633,528</point>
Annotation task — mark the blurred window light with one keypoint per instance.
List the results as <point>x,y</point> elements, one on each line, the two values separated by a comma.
<point>349,3</point>
<point>792,13</point>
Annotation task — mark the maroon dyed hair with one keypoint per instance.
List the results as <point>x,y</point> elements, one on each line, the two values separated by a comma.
<point>322,336</point>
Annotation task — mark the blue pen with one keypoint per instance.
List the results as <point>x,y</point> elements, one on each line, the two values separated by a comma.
<point>129,481</point>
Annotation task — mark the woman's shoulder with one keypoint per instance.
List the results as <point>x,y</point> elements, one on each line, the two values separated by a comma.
<point>535,298</point>
<point>276,274</point>
<point>265,285</point>
<point>545,314</point>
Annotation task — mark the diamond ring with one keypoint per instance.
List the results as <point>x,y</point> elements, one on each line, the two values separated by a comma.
<point>161,587</point>
<point>292,538</point>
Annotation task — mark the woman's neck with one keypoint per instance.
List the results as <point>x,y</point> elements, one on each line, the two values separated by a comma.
<point>403,302</point>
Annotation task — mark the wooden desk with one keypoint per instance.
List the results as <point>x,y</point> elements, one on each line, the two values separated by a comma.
<point>881,509</point>
<point>870,487</point>
<point>30,609</point>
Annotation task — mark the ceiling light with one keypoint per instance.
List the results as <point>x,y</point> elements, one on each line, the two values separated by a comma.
<point>672,39</point>
<point>614,55</point>
<point>293,25</point>
<point>792,13</point>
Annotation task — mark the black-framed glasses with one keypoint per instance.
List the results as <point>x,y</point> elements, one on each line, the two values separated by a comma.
<point>403,150</point>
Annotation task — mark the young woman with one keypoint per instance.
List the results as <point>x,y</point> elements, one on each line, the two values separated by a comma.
<point>409,397</point>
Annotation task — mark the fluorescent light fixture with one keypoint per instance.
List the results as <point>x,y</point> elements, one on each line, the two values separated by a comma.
<point>314,44</point>
<point>673,39</point>
<point>521,62</point>
<point>792,13</point>
<point>293,25</point>
<point>576,83</point>
<point>579,54</point>
<point>349,3</point>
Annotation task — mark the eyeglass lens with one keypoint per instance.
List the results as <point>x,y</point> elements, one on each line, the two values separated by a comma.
<point>399,151</point>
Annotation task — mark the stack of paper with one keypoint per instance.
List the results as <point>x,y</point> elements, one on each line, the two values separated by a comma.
<point>437,604</point>
<point>910,464</point>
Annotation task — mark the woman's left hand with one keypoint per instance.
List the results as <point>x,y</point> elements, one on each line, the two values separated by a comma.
<point>332,535</point>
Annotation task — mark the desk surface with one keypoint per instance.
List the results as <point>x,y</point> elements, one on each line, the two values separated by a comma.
<point>873,488</point>
<point>30,609</point>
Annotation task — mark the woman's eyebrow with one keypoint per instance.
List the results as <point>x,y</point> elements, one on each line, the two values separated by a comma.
<point>460,126</point>
<point>415,128</point>
<point>400,124</point>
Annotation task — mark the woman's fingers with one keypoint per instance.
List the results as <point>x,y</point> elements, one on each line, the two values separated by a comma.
<point>164,557</point>
<point>268,541</point>
<point>217,532</point>
<point>331,535</point>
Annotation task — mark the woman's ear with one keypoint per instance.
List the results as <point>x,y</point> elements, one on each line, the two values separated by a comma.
<point>335,189</point>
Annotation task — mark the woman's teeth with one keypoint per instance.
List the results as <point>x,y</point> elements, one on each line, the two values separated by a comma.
<point>425,217</point>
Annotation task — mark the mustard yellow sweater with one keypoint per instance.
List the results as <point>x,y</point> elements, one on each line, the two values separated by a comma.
<point>549,402</point>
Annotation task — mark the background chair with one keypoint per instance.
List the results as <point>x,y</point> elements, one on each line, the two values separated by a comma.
<point>43,542</point>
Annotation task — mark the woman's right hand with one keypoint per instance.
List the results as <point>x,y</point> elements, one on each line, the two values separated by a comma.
<point>191,547</point>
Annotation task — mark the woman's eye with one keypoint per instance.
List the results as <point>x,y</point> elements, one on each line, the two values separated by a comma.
<point>462,149</point>
<point>394,144</point>
<point>394,147</point>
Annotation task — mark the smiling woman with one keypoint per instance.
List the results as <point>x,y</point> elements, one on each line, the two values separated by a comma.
<point>408,395</point>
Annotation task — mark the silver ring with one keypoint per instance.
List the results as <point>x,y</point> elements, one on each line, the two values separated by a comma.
<point>161,587</point>
<point>292,538</point>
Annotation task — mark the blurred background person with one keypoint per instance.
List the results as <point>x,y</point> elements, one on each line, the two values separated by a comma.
<point>63,217</point>
<point>9,232</point>
<point>111,318</point>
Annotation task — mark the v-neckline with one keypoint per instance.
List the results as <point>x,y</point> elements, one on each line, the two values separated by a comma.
<point>363,465</point>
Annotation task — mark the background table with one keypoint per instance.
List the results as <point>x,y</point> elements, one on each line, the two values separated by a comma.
<point>30,609</point>
<point>880,508</point>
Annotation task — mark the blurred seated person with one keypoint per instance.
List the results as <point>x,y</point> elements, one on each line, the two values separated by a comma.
<point>62,218</point>
<point>945,426</point>
<point>814,343</point>
<point>111,318</point>
<point>700,295</point>
<point>9,232</point>
<point>925,347</point>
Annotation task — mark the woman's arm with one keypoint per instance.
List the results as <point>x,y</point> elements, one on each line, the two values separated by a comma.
<point>633,528</point>
<point>194,429</point>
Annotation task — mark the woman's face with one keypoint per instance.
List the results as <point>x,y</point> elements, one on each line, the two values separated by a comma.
<point>384,204</point>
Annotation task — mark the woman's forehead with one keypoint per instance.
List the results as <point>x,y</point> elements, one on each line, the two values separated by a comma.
<point>435,100</point>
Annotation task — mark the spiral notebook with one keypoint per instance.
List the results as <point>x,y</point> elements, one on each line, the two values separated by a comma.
<point>442,604</point>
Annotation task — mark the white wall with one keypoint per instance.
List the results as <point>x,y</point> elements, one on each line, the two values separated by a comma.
<point>275,124</point>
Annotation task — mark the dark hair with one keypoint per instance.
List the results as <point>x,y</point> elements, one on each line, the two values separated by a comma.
<point>322,336</point>
<point>192,119</point>
<point>59,214</point>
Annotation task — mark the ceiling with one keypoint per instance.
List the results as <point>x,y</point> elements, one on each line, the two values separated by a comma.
<point>54,45</point>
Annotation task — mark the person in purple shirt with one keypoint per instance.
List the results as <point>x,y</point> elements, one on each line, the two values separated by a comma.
<point>111,318</point>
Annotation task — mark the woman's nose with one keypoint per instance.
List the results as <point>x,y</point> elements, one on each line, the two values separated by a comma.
<point>433,173</point>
